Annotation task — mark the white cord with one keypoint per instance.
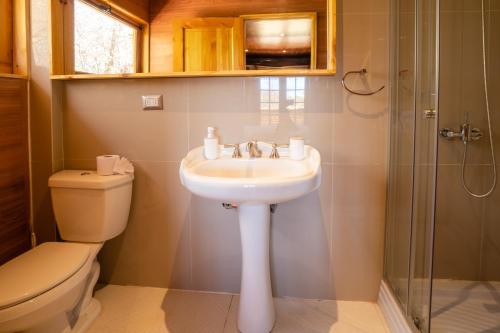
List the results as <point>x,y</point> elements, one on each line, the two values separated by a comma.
<point>492,146</point>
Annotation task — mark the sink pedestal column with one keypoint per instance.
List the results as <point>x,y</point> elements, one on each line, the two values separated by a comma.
<point>256,311</point>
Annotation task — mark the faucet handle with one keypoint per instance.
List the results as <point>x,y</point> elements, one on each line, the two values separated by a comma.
<point>236,151</point>
<point>476,134</point>
<point>274,152</point>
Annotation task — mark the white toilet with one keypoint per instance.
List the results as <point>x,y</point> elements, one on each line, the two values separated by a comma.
<point>49,288</point>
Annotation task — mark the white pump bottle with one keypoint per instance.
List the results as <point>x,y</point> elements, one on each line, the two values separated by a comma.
<point>211,146</point>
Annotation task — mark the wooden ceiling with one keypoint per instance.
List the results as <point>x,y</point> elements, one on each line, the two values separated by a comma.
<point>278,36</point>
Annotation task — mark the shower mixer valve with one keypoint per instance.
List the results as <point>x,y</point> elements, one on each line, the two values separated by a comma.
<point>466,133</point>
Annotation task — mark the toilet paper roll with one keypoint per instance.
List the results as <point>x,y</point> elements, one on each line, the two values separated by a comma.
<point>296,148</point>
<point>106,164</point>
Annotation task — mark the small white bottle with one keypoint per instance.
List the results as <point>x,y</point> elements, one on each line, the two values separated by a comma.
<point>211,146</point>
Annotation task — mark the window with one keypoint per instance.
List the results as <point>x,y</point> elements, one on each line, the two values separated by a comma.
<point>270,100</point>
<point>103,43</point>
<point>274,99</point>
<point>295,98</point>
<point>99,37</point>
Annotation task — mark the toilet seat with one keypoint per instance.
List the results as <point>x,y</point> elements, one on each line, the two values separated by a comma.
<point>60,298</point>
<point>39,270</point>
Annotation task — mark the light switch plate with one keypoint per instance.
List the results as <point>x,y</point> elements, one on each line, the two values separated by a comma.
<point>152,102</point>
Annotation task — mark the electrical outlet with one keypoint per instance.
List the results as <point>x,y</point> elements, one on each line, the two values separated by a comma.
<point>152,102</point>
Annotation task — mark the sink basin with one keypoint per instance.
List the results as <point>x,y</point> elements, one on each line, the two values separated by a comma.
<point>253,184</point>
<point>244,180</point>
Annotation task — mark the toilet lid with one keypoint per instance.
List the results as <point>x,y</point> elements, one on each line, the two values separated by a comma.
<point>39,270</point>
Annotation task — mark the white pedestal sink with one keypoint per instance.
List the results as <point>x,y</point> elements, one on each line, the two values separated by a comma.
<point>253,184</point>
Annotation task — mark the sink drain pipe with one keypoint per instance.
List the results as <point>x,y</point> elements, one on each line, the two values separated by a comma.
<point>226,205</point>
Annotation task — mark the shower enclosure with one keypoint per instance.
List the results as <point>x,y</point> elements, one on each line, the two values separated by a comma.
<point>442,258</point>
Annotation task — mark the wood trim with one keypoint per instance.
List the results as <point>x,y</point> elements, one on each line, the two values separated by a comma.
<point>20,57</point>
<point>69,36</point>
<point>143,46</point>
<point>14,76</point>
<point>238,45</point>
<point>124,9</point>
<point>240,73</point>
<point>178,45</point>
<point>314,41</point>
<point>6,42</point>
<point>332,36</point>
<point>57,37</point>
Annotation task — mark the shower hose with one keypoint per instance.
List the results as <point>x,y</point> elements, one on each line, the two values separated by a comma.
<point>488,113</point>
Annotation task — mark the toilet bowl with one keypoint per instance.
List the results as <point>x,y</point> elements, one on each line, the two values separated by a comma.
<point>49,288</point>
<point>28,298</point>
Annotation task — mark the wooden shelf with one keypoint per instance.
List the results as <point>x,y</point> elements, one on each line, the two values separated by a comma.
<point>13,76</point>
<point>250,73</point>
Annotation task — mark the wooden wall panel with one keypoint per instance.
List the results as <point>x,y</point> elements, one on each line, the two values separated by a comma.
<point>163,13</point>
<point>14,170</point>
<point>137,8</point>
<point>6,36</point>
<point>20,37</point>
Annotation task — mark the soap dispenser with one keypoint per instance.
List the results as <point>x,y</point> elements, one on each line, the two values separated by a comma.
<point>211,146</point>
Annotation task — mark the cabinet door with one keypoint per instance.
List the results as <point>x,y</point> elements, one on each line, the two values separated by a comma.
<point>208,44</point>
<point>14,179</point>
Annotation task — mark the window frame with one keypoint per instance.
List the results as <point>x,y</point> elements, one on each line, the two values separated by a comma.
<point>63,46</point>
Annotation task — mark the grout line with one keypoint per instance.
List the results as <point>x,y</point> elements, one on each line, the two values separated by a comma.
<point>198,291</point>
<point>187,93</point>
<point>227,313</point>
<point>381,318</point>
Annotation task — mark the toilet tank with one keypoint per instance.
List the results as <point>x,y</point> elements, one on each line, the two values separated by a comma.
<point>88,207</point>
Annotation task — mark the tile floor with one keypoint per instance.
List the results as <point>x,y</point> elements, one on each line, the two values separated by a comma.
<point>465,306</point>
<point>129,309</point>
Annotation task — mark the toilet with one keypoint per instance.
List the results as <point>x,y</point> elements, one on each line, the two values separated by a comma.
<point>49,288</point>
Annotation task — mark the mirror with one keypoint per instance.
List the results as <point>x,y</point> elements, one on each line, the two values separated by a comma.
<point>195,37</point>
<point>280,41</point>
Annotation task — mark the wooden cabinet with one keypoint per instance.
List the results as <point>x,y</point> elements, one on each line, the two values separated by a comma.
<point>14,170</point>
<point>208,44</point>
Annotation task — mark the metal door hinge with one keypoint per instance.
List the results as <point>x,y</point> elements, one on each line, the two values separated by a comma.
<point>430,113</point>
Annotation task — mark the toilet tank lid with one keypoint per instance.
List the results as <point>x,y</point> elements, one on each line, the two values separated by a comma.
<point>39,270</point>
<point>87,179</point>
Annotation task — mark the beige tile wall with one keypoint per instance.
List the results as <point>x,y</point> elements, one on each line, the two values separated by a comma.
<point>328,244</point>
<point>45,148</point>
<point>467,234</point>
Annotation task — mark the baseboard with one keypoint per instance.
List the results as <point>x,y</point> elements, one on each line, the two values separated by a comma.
<point>396,320</point>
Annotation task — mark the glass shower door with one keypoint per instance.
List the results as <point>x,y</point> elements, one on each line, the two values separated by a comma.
<point>426,130</point>
<point>412,165</point>
<point>402,127</point>
<point>437,231</point>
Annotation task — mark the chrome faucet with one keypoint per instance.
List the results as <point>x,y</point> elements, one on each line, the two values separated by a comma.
<point>466,133</point>
<point>253,149</point>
